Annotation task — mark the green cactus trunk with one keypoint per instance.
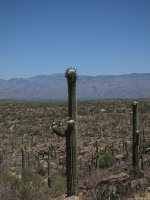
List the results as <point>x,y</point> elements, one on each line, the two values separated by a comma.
<point>96,155</point>
<point>135,142</point>
<point>24,164</point>
<point>71,134</point>
<point>49,179</point>
<point>1,166</point>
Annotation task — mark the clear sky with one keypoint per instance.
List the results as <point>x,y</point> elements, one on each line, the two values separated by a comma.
<point>42,37</point>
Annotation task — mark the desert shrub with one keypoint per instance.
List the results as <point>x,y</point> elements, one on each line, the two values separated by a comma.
<point>31,176</point>
<point>106,160</point>
<point>41,171</point>
<point>62,171</point>
<point>31,187</point>
<point>147,143</point>
<point>112,191</point>
<point>106,191</point>
<point>9,187</point>
<point>144,107</point>
<point>10,180</point>
<point>58,186</point>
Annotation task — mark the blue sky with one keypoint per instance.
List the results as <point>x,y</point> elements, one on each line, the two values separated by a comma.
<point>95,36</point>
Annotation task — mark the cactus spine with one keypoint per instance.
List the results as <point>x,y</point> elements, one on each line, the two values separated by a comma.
<point>70,133</point>
<point>135,143</point>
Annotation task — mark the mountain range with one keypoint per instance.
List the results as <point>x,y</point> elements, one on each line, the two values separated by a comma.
<point>54,87</point>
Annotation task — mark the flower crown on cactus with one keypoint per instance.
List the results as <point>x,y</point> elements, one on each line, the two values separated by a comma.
<point>71,73</point>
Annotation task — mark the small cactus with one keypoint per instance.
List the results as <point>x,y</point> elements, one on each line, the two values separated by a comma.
<point>24,163</point>
<point>1,165</point>
<point>49,179</point>
<point>96,155</point>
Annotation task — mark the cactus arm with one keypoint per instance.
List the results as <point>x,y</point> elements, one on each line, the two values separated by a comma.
<point>58,130</point>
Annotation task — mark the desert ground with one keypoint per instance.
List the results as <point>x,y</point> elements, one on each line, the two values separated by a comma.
<point>104,150</point>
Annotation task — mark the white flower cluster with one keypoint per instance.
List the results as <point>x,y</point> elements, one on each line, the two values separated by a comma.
<point>135,103</point>
<point>71,71</point>
<point>71,121</point>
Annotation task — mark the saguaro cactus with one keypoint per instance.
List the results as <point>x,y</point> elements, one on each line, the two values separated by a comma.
<point>1,165</point>
<point>49,179</point>
<point>95,157</point>
<point>70,133</point>
<point>24,164</point>
<point>135,143</point>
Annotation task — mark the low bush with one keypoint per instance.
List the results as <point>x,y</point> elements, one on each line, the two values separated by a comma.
<point>106,160</point>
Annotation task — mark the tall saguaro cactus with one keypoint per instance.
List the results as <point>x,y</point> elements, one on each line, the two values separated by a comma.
<point>70,133</point>
<point>135,143</point>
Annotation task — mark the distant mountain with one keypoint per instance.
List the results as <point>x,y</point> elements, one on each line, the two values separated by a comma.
<point>54,87</point>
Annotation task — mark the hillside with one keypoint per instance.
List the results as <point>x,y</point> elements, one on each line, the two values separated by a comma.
<point>54,87</point>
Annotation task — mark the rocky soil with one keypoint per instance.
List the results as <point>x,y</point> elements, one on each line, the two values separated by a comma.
<point>107,124</point>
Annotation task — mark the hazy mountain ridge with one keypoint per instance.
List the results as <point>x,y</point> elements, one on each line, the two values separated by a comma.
<point>51,87</point>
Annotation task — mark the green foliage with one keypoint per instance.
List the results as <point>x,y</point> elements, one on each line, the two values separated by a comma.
<point>9,179</point>
<point>41,171</point>
<point>105,192</point>
<point>106,160</point>
<point>146,143</point>
<point>110,191</point>
<point>31,188</point>
<point>31,176</point>
<point>144,107</point>
<point>58,186</point>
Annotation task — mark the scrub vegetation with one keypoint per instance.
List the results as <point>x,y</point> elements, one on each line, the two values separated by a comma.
<point>33,158</point>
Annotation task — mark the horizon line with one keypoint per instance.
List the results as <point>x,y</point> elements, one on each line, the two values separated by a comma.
<point>56,74</point>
